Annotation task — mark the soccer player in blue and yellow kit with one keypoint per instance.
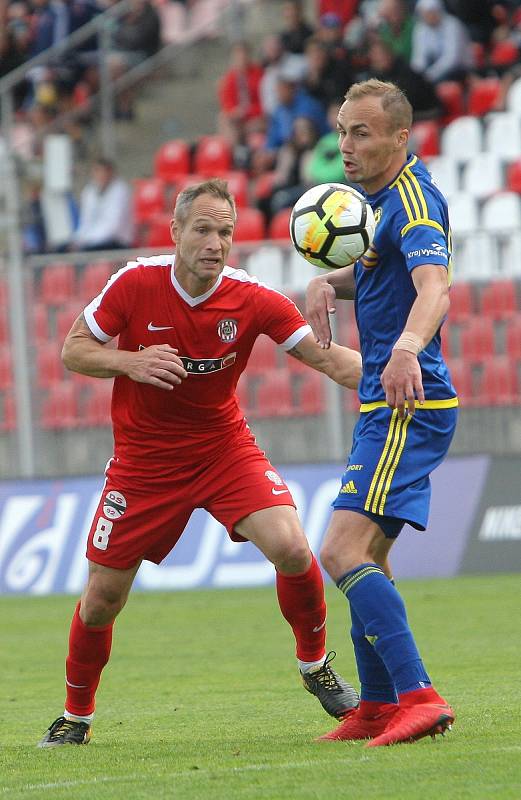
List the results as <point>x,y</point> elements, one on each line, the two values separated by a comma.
<point>408,408</point>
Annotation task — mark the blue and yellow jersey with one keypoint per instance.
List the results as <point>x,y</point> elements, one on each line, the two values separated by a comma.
<point>412,230</point>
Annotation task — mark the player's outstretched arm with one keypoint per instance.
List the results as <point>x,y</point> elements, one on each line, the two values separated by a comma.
<point>401,378</point>
<point>341,364</point>
<point>321,294</point>
<point>158,365</point>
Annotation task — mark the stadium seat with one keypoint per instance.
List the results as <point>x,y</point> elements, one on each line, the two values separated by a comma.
<point>249,226</point>
<point>213,156</point>
<point>4,326</point>
<point>513,181</point>
<point>461,376</point>
<point>274,394</point>
<point>6,367</point>
<point>58,284</point>
<point>157,233</point>
<point>503,54</point>
<point>482,175</point>
<point>445,171</point>
<point>498,383</point>
<point>299,271</point>
<point>97,406</point>
<point>513,337</point>
<point>501,213</point>
<point>461,302</point>
<point>513,99</point>
<point>279,225</point>
<point>263,185</point>
<point>484,95</point>
<point>93,278</point>
<point>7,411</point>
<point>49,366</point>
<point>237,181</point>
<point>39,322</point>
<point>462,138</point>
<point>60,406</point>
<point>65,318</point>
<point>266,264</point>
<point>499,301</point>
<point>451,95</point>
<point>264,356</point>
<point>464,213</point>
<point>172,160</point>
<point>478,339</point>
<point>149,198</point>
<point>426,138</point>
<point>475,256</point>
<point>503,136</point>
<point>310,393</point>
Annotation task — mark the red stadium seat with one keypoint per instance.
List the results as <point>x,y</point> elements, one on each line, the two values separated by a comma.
<point>60,406</point>
<point>213,156</point>
<point>498,383</point>
<point>503,54</point>
<point>513,180</point>
<point>97,406</point>
<point>279,225</point>
<point>149,198</point>
<point>483,96</point>
<point>183,182</point>
<point>7,411</point>
<point>93,278</point>
<point>461,376</point>
<point>49,366</point>
<point>39,322</point>
<point>249,226</point>
<point>172,160</point>
<point>65,317</point>
<point>461,302</point>
<point>6,367</point>
<point>426,138</point>
<point>274,395</point>
<point>263,186</point>
<point>158,232</point>
<point>310,393</point>
<point>238,186</point>
<point>478,339</point>
<point>4,326</point>
<point>513,337</point>
<point>451,95</point>
<point>263,356</point>
<point>499,301</point>
<point>58,284</point>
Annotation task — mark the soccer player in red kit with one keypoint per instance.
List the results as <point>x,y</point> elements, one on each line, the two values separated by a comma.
<point>186,326</point>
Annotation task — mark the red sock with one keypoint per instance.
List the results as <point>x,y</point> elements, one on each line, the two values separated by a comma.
<point>301,600</point>
<point>427,695</point>
<point>89,651</point>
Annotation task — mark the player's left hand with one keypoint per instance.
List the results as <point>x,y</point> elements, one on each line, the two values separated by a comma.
<point>402,382</point>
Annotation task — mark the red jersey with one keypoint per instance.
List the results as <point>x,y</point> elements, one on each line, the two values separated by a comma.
<point>214,333</point>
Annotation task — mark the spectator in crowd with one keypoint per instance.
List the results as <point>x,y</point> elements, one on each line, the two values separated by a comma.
<point>105,219</point>
<point>296,30</point>
<point>386,66</point>
<point>346,9</point>
<point>15,43</point>
<point>325,164</point>
<point>480,19</point>
<point>326,77</point>
<point>330,32</point>
<point>291,168</point>
<point>394,25</point>
<point>239,95</point>
<point>275,60</point>
<point>441,46</point>
<point>294,101</point>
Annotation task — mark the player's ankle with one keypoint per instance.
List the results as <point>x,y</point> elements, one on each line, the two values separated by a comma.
<point>425,694</point>
<point>368,709</point>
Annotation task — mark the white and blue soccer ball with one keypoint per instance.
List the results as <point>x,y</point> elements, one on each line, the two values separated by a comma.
<point>332,225</point>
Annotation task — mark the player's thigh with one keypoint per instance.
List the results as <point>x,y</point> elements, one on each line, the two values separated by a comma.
<point>277,532</point>
<point>353,539</point>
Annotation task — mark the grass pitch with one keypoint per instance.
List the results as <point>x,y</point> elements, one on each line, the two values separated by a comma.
<point>201,699</point>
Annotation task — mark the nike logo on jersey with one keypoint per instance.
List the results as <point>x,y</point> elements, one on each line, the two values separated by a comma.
<point>159,327</point>
<point>319,627</point>
<point>279,491</point>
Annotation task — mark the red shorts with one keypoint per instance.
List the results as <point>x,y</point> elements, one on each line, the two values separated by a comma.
<point>144,521</point>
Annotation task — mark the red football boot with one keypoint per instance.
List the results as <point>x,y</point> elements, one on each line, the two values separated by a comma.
<point>429,715</point>
<point>368,720</point>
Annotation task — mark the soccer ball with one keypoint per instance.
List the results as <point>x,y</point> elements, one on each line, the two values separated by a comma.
<point>332,225</point>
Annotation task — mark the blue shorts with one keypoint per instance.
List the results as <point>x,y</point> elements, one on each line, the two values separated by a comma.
<point>387,475</point>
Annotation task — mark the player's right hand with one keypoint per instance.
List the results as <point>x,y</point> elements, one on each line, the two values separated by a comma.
<point>158,365</point>
<point>320,303</point>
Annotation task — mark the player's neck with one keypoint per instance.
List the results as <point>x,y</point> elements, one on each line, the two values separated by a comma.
<point>388,176</point>
<point>193,285</point>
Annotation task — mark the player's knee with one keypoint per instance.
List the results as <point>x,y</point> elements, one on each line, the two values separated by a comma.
<point>295,557</point>
<point>335,561</point>
<point>101,607</point>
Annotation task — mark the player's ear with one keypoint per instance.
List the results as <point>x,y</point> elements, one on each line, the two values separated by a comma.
<point>402,137</point>
<point>174,227</point>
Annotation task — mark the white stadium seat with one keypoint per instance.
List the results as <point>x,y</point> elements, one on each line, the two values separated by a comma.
<point>266,264</point>
<point>502,213</point>
<point>513,102</point>
<point>483,175</point>
<point>463,213</point>
<point>445,171</point>
<point>503,136</point>
<point>462,138</point>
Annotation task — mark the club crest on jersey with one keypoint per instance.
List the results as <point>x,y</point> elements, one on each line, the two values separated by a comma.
<point>114,505</point>
<point>227,330</point>
<point>377,214</point>
<point>274,478</point>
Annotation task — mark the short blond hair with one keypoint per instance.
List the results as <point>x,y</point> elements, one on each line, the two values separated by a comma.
<point>394,101</point>
<point>215,187</point>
